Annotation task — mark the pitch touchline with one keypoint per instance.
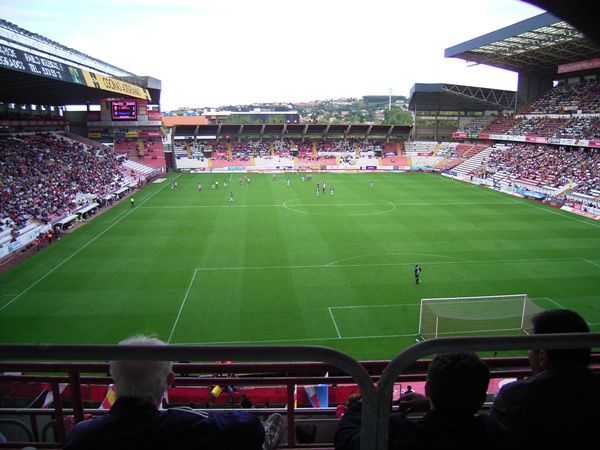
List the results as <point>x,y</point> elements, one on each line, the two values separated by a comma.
<point>69,257</point>
<point>181,306</point>
<point>337,330</point>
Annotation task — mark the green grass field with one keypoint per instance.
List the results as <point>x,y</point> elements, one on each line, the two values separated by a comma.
<point>280,265</point>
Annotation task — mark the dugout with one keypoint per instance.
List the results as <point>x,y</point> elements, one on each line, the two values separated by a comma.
<point>66,222</point>
<point>86,211</point>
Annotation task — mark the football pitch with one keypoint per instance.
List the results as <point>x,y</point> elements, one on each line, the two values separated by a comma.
<point>281,265</point>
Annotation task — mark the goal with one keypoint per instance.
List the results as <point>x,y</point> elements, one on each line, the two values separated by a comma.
<point>478,316</point>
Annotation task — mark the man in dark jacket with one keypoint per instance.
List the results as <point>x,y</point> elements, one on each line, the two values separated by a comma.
<point>135,422</point>
<point>539,412</point>
<point>455,390</point>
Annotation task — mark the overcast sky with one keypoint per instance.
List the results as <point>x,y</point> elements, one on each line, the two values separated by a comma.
<point>213,53</point>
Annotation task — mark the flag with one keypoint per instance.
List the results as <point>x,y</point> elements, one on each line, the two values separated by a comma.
<point>110,398</point>
<point>318,396</point>
<point>46,397</point>
<point>40,399</point>
<point>295,396</point>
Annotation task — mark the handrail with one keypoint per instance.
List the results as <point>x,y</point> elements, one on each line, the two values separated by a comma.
<point>58,352</point>
<point>441,345</point>
<point>376,400</point>
<point>17,423</point>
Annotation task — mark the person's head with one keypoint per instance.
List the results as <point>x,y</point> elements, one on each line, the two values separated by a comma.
<point>306,433</point>
<point>146,381</point>
<point>558,321</point>
<point>457,382</point>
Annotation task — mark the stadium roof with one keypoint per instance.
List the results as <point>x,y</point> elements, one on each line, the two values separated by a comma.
<point>22,88</point>
<point>321,131</point>
<point>453,97</point>
<point>582,14</point>
<point>537,45</point>
<point>35,70</point>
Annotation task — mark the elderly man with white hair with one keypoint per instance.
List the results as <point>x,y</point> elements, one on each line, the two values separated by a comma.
<point>135,421</point>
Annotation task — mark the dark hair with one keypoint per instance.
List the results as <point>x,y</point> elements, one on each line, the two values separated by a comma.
<point>562,321</point>
<point>458,382</point>
<point>306,433</point>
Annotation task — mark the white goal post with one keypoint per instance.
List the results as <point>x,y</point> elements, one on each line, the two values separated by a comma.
<point>467,316</point>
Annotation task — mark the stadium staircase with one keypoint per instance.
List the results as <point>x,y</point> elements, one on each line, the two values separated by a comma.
<point>474,163</point>
<point>149,153</point>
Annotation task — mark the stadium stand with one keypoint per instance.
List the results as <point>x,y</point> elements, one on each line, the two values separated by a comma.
<point>560,169</point>
<point>60,190</point>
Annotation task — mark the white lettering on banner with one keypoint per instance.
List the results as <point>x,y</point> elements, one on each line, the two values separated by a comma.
<point>34,69</point>
<point>7,51</point>
<point>118,86</point>
<point>31,58</point>
<point>51,64</point>
<point>28,62</point>
<point>11,63</point>
<point>51,73</point>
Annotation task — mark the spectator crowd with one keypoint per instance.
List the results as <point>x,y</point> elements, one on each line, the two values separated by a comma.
<point>42,175</point>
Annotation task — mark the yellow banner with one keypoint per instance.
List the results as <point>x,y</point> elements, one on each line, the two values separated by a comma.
<point>113,85</point>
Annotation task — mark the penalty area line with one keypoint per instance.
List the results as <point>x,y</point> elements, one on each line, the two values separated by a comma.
<point>187,292</point>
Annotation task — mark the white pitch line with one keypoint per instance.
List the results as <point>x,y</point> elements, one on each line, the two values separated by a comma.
<point>373,306</point>
<point>269,341</point>
<point>565,214</point>
<point>181,306</point>
<point>337,330</point>
<point>341,266</point>
<point>328,205</point>
<point>67,259</point>
<point>592,263</point>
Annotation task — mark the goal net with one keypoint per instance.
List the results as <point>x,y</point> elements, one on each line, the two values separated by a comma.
<point>478,316</point>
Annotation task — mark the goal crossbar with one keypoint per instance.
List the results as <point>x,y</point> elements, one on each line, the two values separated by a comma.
<point>484,315</point>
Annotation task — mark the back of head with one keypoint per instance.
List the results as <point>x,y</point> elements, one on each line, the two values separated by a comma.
<point>562,321</point>
<point>145,381</point>
<point>306,433</point>
<point>458,382</point>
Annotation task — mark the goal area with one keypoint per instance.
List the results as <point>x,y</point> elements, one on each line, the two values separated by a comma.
<point>476,316</point>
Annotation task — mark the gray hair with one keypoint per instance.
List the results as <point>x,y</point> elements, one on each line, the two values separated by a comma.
<point>142,380</point>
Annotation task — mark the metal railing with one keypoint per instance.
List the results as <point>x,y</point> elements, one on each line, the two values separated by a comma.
<point>376,387</point>
<point>34,352</point>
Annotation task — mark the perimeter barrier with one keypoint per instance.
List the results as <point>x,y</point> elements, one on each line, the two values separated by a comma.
<point>58,363</point>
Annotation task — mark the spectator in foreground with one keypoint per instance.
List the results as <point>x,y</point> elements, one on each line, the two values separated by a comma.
<point>538,412</point>
<point>135,422</point>
<point>455,390</point>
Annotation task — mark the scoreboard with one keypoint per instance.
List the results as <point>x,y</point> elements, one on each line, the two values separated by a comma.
<point>124,118</point>
<point>124,110</point>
